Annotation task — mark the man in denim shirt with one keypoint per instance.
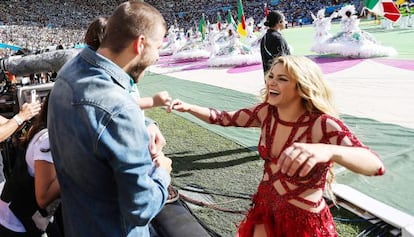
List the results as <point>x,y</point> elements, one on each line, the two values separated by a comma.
<point>111,184</point>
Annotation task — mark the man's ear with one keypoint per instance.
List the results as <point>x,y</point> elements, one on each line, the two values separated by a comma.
<point>139,44</point>
<point>135,46</point>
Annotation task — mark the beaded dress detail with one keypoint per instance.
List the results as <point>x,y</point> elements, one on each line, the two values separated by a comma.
<point>287,213</point>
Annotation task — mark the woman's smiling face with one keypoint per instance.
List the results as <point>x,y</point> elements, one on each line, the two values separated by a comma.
<point>281,87</point>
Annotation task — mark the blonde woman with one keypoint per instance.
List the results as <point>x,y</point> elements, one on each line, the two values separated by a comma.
<point>301,138</point>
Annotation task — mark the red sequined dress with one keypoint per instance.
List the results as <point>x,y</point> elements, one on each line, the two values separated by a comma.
<point>278,211</point>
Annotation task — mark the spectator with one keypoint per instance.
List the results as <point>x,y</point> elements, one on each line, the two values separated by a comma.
<point>95,32</point>
<point>109,173</point>
<point>33,187</point>
<point>10,126</point>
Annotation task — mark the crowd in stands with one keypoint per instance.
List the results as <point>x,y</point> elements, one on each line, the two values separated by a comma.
<point>188,12</point>
<point>39,24</point>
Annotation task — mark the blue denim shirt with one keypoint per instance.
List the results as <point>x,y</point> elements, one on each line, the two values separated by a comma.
<point>99,144</point>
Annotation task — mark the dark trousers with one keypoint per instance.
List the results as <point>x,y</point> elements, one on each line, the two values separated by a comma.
<point>1,169</point>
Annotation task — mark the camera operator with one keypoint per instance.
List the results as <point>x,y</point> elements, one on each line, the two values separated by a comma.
<point>10,126</point>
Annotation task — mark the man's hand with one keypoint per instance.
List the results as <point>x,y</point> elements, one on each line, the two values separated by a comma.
<point>157,140</point>
<point>160,160</point>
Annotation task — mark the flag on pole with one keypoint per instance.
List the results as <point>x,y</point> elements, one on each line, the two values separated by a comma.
<point>202,27</point>
<point>230,20</point>
<point>266,9</point>
<point>385,8</point>
<point>218,21</point>
<point>241,20</point>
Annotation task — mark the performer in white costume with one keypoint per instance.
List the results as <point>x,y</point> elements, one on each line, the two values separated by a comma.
<point>411,21</point>
<point>251,37</point>
<point>354,42</point>
<point>172,43</point>
<point>194,48</point>
<point>213,34</point>
<point>322,26</point>
<point>259,35</point>
<point>234,52</point>
<point>405,16</point>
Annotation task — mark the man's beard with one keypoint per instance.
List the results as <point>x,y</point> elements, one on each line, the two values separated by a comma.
<point>137,71</point>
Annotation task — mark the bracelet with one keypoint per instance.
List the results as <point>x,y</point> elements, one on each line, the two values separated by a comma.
<point>18,120</point>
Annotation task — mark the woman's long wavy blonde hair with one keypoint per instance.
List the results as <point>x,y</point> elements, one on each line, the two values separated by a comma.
<point>314,90</point>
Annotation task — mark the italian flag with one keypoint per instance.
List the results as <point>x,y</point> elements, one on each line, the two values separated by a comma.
<point>385,8</point>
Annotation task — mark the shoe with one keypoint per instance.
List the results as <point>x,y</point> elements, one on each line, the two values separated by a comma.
<point>173,194</point>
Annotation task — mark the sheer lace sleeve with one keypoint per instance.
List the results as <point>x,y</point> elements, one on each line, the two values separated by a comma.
<point>336,132</point>
<point>247,117</point>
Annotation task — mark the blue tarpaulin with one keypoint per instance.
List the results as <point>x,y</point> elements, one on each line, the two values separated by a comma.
<point>274,2</point>
<point>8,46</point>
<point>80,46</point>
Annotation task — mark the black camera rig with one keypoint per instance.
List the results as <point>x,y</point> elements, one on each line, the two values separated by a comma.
<point>14,95</point>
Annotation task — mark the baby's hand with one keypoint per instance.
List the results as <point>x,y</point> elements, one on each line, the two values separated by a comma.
<point>162,99</point>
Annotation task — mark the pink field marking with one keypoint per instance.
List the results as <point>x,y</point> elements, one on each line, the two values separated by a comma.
<point>403,64</point>
<point>327,64</point>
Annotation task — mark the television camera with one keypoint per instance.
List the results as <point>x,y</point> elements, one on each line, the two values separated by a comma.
<point>14,94</point>
<point>32,72</point>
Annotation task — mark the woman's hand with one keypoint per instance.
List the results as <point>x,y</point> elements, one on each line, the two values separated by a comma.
<point>179,106</point>
<point>28,111</point>
<point>302,157</point>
